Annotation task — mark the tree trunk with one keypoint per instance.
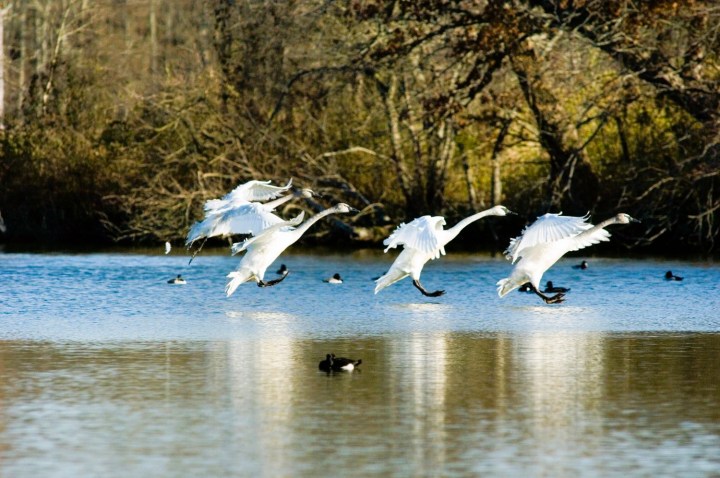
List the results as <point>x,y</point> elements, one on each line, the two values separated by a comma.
<point>496,184</point>
<point>469,180</point>
<point>695,93</point>
<point>3,11</point>
<point>223,47</point>
<point>572,186</point>
<point>22,60</point>
<point>396,143</point>
<point>153,37</point>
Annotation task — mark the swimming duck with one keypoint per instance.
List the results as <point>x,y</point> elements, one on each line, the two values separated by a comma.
<point>550,288</point>
<point>582,265</point>
<point>338,364</point>
<point>177,280</point>
<point>670,276</point>
<point>335,279</point>
<point>283,270</point>
<point>525,288</point>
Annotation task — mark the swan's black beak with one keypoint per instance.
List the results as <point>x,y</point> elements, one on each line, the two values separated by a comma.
<point>632,219</point>
<point>511,213</point>
<point>353,210</point>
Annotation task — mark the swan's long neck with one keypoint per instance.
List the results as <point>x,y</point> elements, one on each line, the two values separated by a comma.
<point>601,225</point>
<point>270,205</point>
<point>452,233</point>
<point>300,230</point>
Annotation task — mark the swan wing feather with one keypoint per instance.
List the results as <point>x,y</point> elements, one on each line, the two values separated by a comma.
<point>584,240</point>
<point>257,191</point>
<point>247,192</point>
<point>420,234</point>
<point>252,218</point>
<point>267,235</point>
<point>547,228</point>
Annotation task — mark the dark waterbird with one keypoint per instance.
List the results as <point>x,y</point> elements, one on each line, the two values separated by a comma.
<point>177,280</point>
<point>583,265</point>
<point>549,287</point>
<point>670,276</point>
<point>335,279</point>
<point>525,288</point>
<point>338,364</point>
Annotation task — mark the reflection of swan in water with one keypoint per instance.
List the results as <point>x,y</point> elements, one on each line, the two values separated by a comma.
<point>567,312</point>
<point>561,377</point>
<point>261,316</point>
<point>422,387</point>
<point>261,392</point>
<point>424,307</point>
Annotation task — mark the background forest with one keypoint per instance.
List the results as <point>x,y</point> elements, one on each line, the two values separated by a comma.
<point>121,117</point>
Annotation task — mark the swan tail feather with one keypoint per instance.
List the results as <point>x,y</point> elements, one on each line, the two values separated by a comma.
<point>237,278</point>
<point>390,277</point>
<point>504,286</point>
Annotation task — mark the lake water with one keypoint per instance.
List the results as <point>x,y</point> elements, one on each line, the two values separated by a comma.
<point>107,370</point>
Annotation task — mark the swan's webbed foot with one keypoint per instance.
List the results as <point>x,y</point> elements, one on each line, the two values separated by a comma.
<point>270,283</point>
<point>422,289</point>
<point>556,299</point>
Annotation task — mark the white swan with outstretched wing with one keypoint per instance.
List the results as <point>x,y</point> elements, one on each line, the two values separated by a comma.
<point>234,214</point>
<point>547,228</point>
<point>263,249</point>
<point>422,234</point>
<point>544,242</point>
<point>424,239</point>
<point>251,191</point>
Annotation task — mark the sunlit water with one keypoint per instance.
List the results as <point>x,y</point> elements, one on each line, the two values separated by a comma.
<point>107,370</point>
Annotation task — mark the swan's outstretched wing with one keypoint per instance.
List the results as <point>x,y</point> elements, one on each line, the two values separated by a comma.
<point>267,235</point>
<point>250,218</point>
<point>547,228</point>
<point>588,239</point>
<point>420,234</point>
<point>246,192</point>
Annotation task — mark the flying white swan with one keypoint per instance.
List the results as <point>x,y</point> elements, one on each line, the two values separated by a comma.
<point>423,239</point>
<point>267,246</point>
<point>238,212</point>
<point>251,191</point>
<point>544,242</point>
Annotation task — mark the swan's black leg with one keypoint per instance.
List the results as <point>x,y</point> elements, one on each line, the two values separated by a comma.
<point>419,286</point>
<point>556,299</point>
<point>198,250</point>
<point>271,283</point>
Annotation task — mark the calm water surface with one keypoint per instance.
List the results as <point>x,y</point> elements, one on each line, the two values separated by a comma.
<point>106,370</point>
